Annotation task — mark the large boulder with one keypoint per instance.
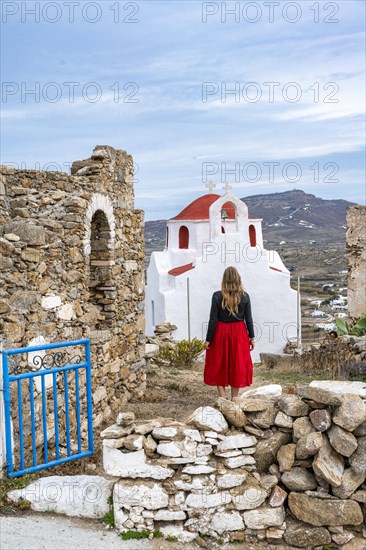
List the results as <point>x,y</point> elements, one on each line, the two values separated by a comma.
<point>264,517</point>
<point>358,458</point>
<point>232,412</point>
<point>341,387</point>
<point>351,413</point>
<point>237,441</point>
<point>299,479</point>
<point>286,457</point>
<point>227,521</point>
<point>292,405</point>
<point>319,394</point>
<point>132,465</point>
<point>309,445</point>
<point>328,464</point>
<point>301,427</point>
<point>322,512</point>
<point>321,419</point>
<point>249,496</point>
<point>343,441</point>
<point>208,418</point>
<point>267,449</point>
<point>350,482</point>
<point>270,391</point>
<point>80,496</point>
<point>304,536</point>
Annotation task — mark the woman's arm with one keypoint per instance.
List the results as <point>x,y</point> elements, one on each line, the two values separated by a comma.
<point>249,319</point>
<point>214,315</point>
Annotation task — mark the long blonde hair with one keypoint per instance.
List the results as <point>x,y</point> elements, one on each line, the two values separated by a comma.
<point>232,290</point>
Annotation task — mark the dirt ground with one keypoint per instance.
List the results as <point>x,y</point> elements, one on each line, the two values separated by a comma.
<point>176,393</point>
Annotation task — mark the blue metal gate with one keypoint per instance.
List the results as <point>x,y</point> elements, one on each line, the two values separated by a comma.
<point>39,390</point>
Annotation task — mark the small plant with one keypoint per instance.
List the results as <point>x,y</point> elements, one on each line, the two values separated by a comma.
<point>129,535</point>
<point>10,484</point>
<point>23,504</point>
<point>358,328</point>
<point>109,516</point>
<point>109,519</point>
<point>171,538</point>
<point>183,355</point>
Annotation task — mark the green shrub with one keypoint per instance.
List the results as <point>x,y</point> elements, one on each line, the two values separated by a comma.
<point>109,519</point>
<point>23,504</point>
<point>128,535</point>
<point>184,354</point>
<point>9,484</point>
<point>357,328</point>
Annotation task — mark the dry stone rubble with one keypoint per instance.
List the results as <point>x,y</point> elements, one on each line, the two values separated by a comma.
<point>302,485</point>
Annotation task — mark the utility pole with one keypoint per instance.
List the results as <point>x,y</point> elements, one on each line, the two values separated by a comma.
<point>188,312</point>
<point>298,327</point>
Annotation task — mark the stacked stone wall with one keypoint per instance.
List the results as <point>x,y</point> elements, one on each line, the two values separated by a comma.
<point>72,260</point>
<point>268,467</point>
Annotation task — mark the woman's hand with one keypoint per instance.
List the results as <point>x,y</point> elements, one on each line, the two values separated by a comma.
<point>207,345</point>
<point>252,344</point>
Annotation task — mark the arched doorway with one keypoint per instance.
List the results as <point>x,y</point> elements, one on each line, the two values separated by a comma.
<point>183,237</point>
<point>101,286</point>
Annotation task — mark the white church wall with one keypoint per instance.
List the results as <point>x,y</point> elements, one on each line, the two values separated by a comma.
<point>154,292</point>
<point>273,302</point>
<point>275,261</point>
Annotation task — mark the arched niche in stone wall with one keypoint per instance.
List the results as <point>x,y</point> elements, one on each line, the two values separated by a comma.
<point>99,251</point>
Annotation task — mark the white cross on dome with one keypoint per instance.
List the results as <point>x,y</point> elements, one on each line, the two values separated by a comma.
<point>210,185</point>
<point>227,187</point>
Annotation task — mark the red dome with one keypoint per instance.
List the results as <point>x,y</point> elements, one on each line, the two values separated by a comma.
<point>199,208</point>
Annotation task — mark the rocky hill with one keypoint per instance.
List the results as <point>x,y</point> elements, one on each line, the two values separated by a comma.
<point>299,216</point>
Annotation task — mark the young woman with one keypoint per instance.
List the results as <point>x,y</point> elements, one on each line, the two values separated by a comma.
<point>230,337</point>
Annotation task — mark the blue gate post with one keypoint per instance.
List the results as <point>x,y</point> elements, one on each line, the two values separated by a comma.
<point>89,396</point>
<point>8,435</point>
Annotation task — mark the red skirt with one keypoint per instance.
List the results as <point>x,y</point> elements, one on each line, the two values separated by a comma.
<point>228,361</point>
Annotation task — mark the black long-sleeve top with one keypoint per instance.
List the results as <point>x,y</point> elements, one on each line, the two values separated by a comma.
<point>217,313</point>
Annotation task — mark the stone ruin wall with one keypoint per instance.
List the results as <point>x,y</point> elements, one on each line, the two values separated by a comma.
<point>71,254</point>
<point>356,257</point>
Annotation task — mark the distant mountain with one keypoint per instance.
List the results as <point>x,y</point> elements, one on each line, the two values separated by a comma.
<point>290,216</point>
<point>299,216</point>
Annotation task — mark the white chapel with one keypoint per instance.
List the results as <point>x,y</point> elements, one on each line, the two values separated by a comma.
<point>210,234</point>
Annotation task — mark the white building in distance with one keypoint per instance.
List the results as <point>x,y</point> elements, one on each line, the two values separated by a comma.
<point>210,234</point>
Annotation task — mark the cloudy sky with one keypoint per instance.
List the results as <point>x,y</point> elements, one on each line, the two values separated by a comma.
<point>268,97</point>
